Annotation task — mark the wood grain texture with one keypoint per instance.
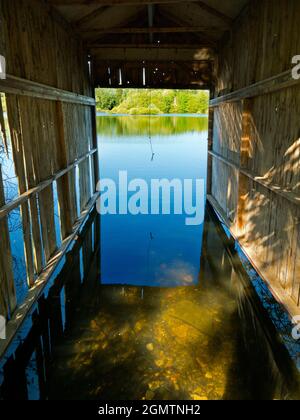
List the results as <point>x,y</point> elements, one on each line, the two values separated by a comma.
<point>49,101</point>
<point>257,141</point>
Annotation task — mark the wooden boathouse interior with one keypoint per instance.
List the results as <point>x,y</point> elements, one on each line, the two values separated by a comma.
<point>58,51</point>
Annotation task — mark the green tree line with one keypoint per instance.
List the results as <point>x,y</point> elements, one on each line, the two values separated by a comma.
<point>146,101</point>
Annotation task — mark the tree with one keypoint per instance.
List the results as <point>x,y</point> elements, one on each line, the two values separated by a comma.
<point>141,101</point>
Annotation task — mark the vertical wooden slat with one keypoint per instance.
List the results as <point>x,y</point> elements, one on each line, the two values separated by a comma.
<point>6,267</point>
<point>30,178</point>
<point>63,184</point>
<point>95,157</point>
<point>45,164</point>
<point>2,126</point>
<point>245,147</point>
<point>36,235</point>
<point>70,137</point>
<point>47,221</point>
<point>18,155</point>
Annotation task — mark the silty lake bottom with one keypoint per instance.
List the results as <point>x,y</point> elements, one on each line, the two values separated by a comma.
<point>145,307</point>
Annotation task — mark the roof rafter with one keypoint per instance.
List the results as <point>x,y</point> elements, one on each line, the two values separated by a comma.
<point>92,15</point>
<point>214,12</point>
<point>202,36</point>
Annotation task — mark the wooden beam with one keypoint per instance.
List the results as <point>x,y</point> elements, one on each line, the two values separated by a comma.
<point>157,46</point>
<point>91,16</point>
<point>152,54</point>
<point>24,87</point>
<point>287,194</point>
<point>214,12</point>
<point>115,2</point>
<point>162,85</point>
<point>7,208</point>
<point>273,84</point>
<point>150,30</point>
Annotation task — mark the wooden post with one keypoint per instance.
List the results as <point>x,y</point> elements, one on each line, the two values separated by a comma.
<point>210,148</point>
<point>94,132</point>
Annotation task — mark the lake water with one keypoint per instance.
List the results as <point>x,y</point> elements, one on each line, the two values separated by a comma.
<point>152,250</point>
<point>145,307</point>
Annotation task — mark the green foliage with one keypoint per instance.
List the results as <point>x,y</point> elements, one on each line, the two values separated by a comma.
<point>107,99</point>
<point>145,101</point>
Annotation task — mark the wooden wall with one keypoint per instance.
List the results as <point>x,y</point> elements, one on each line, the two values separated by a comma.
<point>51,118</point>
<point>256,142</point>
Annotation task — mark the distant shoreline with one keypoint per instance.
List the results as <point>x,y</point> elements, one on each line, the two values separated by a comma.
<point>110,114</point>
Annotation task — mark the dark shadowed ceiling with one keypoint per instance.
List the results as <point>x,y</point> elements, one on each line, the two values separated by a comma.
<point>175,40</point>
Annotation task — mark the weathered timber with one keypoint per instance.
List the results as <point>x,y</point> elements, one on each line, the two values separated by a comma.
<point>18,86</point>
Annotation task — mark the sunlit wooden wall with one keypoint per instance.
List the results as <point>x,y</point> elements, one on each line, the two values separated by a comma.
<point>255,155</point>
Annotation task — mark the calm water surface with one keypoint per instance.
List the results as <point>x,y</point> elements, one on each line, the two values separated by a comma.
<point>146,307</point>
<point>151,250</point>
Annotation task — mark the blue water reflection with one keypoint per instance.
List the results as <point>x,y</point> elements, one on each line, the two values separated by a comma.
<point>151,250</point>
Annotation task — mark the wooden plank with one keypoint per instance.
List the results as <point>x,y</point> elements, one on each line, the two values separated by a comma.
<point>175,46</point>
<point>2,127</point>
<point>18,156</point>
<point>264,87</point>
<point>36,233</point>
<point>39,139</point>
<point>24,87</point>
<point>7,283</point>
<point>153,30</point>
<point>7,208</point>
<point>115,2</point>
<point>35,292</point>
<point>46,204</point>
<point>153,54</point>
<point>63,183</point>
<point>288,195</point>
<point>244,157</point>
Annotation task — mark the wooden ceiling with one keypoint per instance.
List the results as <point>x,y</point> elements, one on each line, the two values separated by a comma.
<point>121,33</point>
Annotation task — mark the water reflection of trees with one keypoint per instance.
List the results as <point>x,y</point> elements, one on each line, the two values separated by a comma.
<point>143,125</point>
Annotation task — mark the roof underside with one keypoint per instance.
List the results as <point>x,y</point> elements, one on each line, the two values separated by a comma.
<point>174,40</point>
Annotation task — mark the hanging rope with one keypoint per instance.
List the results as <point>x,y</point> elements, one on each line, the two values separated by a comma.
<point>150,137</point>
